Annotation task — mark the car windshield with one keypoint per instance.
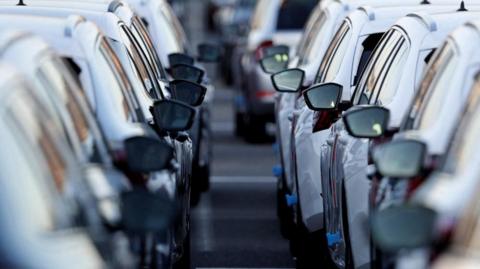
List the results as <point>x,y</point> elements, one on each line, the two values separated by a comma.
<point>119,87</point>
<point>433,90</point>
<point>465,143</point>
<point>383,70</point>
<point>335,53</point>
<point>306,49</point>
<point>293,14</point>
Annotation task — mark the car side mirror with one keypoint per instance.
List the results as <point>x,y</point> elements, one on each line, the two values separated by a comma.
<point>147,154</point>
<point>187,92</point>
<point>209,53</point>
<point>400,158</point>
<point>289,80</point>
<point>403,227</point>
<point>323,97</point>
<point>274,63</point>
<point>187,72</point>
<point>366,121</point>
<point>180,58</point>
<point>146,212</point>
<point>274,50</point>
<point>172,116</point>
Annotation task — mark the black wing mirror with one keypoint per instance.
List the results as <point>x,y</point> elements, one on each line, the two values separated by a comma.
<point>147,154</point>
<point>400,158</point>
<point>143,211</point>
<point>188,92</point>
<point>187,72</point>
<point>274,63</point>
<point>323,97</point>
<point>403,227</point>
<point>209,53</point>
<point>366,121</point>
<point>180,58</point>
<point>172,116</point>
<point>289,80</point>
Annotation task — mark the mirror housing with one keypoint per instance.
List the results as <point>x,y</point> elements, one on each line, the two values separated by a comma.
<point>147,154</point>
<point>180,58</point>
<point>403,227</point>
<point>289,80</point>
<point>187,92</point>
<point>323,97</point>
<point>172,116</point>
<point>209,53</point>
<point>402,158</point>
<point>187,72</point>
<point>274,63</point>
<point>366,121</point>
<point>143,211</point>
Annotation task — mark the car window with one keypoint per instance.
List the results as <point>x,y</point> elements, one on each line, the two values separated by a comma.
<point>376,66</point>
<point>434,88</point>
<point>463,147</point>
<point>293,14</point>
<point>388,84</point>
<point>48,73</point>
<point>335,53</point>
<point>118,93</point>
<point>141,33</point>
<point>259,14</point>
<point>306,49</point>
<point>139,62</point>
<point>38,137</point>
<point>175,27</point>
<point>368,45</point>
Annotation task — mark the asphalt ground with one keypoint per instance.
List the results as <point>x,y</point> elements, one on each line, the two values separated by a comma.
<point>235,225</point>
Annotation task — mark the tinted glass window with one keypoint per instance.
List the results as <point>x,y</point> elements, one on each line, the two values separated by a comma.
<point>307,48</point>
<point>293,14</point>
<point>377,65</point>
<point>335,53</point>
<point>435,87</point>
<point>116,81</point>
<point>465,143</point>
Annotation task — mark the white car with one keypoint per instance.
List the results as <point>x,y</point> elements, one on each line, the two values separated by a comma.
<point>38,209</point>
<point>108,92</point>
<point>322,25</point>
<point>274,22</point>
<point>433,116</point>
<point>388,80</point>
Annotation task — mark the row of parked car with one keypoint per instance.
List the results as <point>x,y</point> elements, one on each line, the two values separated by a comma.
<point>105,134</point>
<point>377,124</point>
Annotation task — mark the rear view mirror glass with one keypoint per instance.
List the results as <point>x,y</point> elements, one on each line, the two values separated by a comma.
<point>400,158</point>
<point>403,227</point>
<point>180,58</point>
<point>366,121</point>
<point>324,96</point>
<point>209,53</point>
<point>187,72</point>
<point>144,211</point>
<point>289,80</point>
<point>275,63</point>
<point>172,116</point>
<point>187,92</point>
<point>147,154</point>
<point>273,50</point>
